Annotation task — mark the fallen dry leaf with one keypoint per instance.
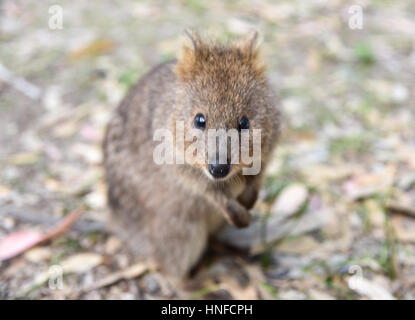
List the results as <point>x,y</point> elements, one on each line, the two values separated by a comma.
<point>94,48</point>
<point>404,229</point>
<point>290,200</point>
<point>18,242</point>
<point>366,185</point>
<point>38,254</point>
<point>112,245</point>
<point>81,263</point>
<point>24,158</point>
<point>300,245</point>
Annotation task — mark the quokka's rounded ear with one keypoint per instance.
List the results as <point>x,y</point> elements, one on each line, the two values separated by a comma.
<point>194,38</point>
<point>249,42</point>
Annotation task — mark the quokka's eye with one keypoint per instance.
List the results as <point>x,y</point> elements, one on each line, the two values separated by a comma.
<point>243,124</point>
<point>200,121</point>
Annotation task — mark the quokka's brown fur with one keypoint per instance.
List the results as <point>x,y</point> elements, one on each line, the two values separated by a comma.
<point>167,212</point>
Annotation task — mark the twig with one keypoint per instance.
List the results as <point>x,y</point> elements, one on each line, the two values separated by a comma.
<point>30,216</point>
<point>20,84</point>
<point>64,226</point>
<point>131,272</point>
<point>403,209</point>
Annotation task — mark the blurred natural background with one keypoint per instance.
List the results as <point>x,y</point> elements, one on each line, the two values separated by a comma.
<point>342,180</point>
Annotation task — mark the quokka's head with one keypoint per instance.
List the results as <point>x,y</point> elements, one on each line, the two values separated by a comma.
<point>222,88</point>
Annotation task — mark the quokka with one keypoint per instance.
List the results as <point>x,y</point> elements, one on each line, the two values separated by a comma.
<point>166,213</point>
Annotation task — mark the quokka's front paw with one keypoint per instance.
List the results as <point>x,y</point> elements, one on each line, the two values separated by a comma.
<point>248,197</point>
<point>237,215</point>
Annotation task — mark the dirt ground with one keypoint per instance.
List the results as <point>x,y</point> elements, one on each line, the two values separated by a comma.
<point>341,184</point>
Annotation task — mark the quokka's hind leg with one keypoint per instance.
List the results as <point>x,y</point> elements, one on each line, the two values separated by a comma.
<point>172,244</point>
<point>179,246</point>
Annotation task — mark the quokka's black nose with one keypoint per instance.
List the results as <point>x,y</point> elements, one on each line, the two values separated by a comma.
<point>219,170</point>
